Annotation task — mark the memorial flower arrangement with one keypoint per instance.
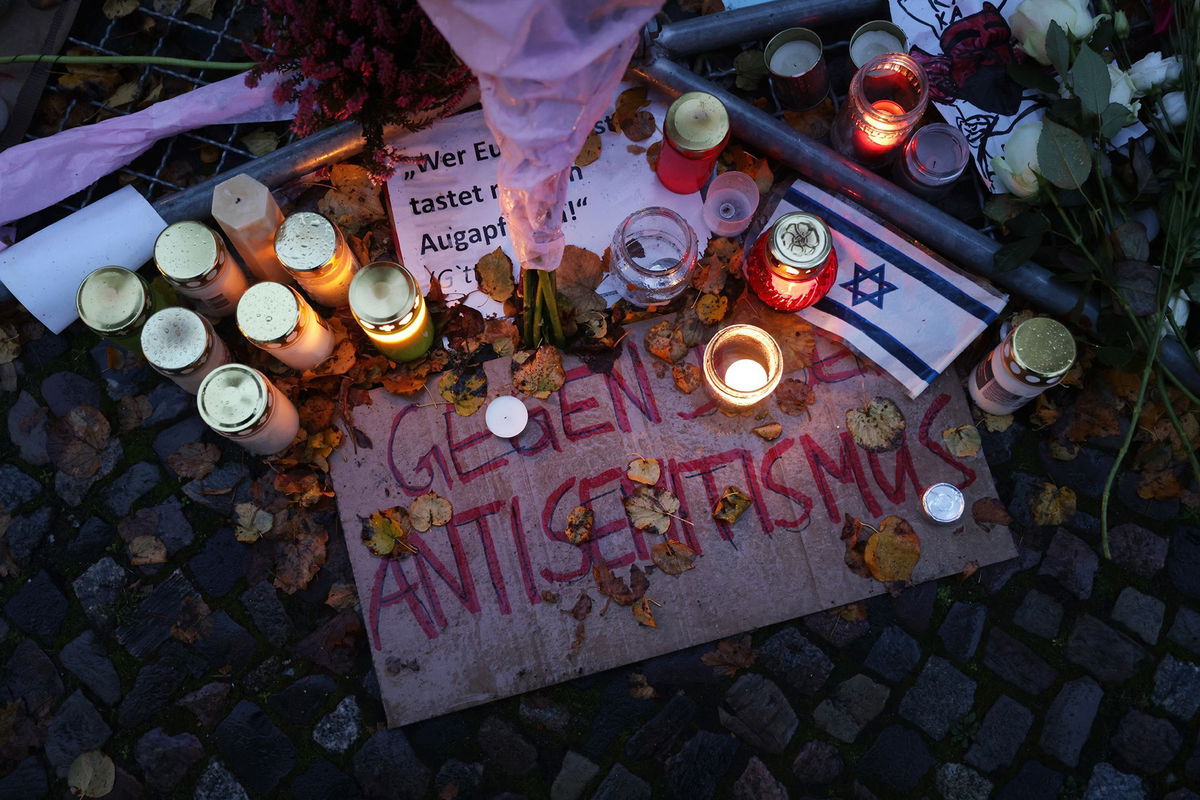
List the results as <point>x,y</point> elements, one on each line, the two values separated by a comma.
<point>1105,189</point>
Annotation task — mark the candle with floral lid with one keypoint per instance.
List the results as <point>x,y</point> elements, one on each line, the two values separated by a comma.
<point>793,264</point>
<point>742,366</point>
<point>695,131</point>
<point>192,257</point>
<point>239,403</point>
<point>275,318</point>
<point>249,215</point>
<point>182,345</point>
<point>314,252</point>
<point>885,103</point>
<point>387,302</point>
<point>114,302</point>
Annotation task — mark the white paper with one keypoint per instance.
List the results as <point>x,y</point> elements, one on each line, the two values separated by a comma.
<point>45,270</point>
<point>600,196</point>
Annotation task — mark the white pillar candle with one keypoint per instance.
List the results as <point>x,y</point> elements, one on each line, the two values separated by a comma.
<point>239,403</point>
<point>249,215</point>
<point>314,251</point>
<point>275,318</point>
<point>506,416</point>
<point>182,345</point>
<point>795,57</point>
<point>193,258</point>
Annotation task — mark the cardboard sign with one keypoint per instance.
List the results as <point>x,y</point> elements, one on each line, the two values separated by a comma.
<point>465,621</point>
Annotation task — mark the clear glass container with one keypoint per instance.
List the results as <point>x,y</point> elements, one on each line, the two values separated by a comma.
<point>182,345</point>
<point>653,253</point>
<point>884,105</point>
<point>742,366</point>
<point>932,160</point>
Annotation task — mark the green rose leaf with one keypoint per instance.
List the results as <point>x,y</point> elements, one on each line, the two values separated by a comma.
<point>1058,49</point>
<point>1089,79</point>
<point>1064,158</point>
<point>1032,75</point>
<point>1114,117</point>
<point>1016,253</point>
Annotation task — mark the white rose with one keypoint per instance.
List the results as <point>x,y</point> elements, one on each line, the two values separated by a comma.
<point>1016,170</point>
<point>1153,71</point>
<point>1122,89</point>
<point>1032,19</point>
<point>1172,109</point>
<point>1177,307</point>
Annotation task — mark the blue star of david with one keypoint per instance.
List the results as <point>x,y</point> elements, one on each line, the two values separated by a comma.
<point>855,286</point>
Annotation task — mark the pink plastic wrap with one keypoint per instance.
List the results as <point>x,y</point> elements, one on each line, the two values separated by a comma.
<point>37,174</point>
<point>547,71</point>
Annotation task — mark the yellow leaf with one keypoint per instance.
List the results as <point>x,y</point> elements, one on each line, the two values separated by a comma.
<point>732,505</point>
<point>878,426</point>
<point>385,533</point>
<point>260,141</point>
<point>430,510</point>
<point>644,470</point>
<point>92,774</point>
<point>1054,505</point>
<point>672,557</point>
<point>644,614</point>
<point>963,441</point>
<point>202,8</point>
<point>650,509</point>
<point>579,525</point>
<point>893,552</point>
<point>590,150</point>
<point>494,272</point>
<point>126,93</point>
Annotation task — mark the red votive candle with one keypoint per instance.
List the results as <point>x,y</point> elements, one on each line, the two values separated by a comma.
<point>793,264</point>
<point>695,131</point>
<point>884,104</point>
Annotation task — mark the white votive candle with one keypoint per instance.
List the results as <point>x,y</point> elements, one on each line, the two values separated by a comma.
<point>192,257</point>
<point>182,345</point>
<point>249,215</point>
<point>239,403</point>
<point>275,318</point>
<point>746,375</point>
<point>868,44</point>
<point>506,416</point>
<point>795,57</point>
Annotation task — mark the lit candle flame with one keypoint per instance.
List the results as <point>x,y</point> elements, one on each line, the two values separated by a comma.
<point>746,375</point>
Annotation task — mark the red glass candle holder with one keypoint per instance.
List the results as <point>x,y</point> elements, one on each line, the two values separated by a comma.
<point>793,264</point>
<point>884,104</point>
<point>695,131</point>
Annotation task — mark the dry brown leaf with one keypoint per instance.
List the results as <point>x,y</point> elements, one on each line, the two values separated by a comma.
<point>194,460</point>
<point>76,441</point>
<point>644,614</point>
<point>304,487</point>
<point>117,9</point>
<point>989,511</point>
<point>963,441</point>
<point>1062,451</point>
<point>579,525</point>
<point>688,377</point>
<point>711,308</point>
<point>260,141</point>
<point>665,340</point>
<point>646,471</point>
<point>732,504</point>
<point>550,597</point>
<point>672,557</point>
<point>893,552</point>
<point>639,688</point>
<point>652,155</point>
<point>385,533</point>
<point>794,396</point>
<point>341,595</point>
<point>125,93</point>
<point>299,555</point>
<point>92,774</point>
<point>639,126</point>
<point>1160,484</point>
<point>851,612</point>
<point>768,432</point>
<point>997,423</point>
<point>252,522</point>
<point>590,150</point>
<point>494,272</point>
<point>722,258</point>
<point>1053,505</point>
<point>1045,413</point>
<point>731,656</point>
<point>10,343</point>
<point>201,8</point>
<point>969,569</point>
<point>629,102</point>
<point>582,607</point>
<point>878,427</point>
<point>132,412</point>
<point>651,509</point>
<point>353,203</point>
<point>538,373</point>
<point>430,510</point>
<point>147,550</point>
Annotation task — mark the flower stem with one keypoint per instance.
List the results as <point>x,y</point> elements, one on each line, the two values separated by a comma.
<point>548,286</point>
<point>161,61</point>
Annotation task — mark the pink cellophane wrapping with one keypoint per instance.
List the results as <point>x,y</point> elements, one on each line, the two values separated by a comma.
<point>547,71</point>
<point>39,173</point>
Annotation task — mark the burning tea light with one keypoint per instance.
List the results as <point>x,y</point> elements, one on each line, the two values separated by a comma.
<point>875,38</point>
<point>797,66</point>
<point>387,302</point>
<point>273,317</point>
<point>315,253</point>
<point>885,103</point>
<point>742,366</point>
<point>249,215</point>
<point>506,416</point>
<point>239,403</point>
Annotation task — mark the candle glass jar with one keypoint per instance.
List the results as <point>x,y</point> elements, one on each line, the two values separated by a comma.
<point>314,252</point>
<point>695,131</point>
<point>275,318</point>
<point>192,257</point>
<point>182,345</point>
<point>653,253</point>
<point>387,302</point>
<point>793,264</point>
<point>796,63</point>
<point>249,215</point>
<point>239,403</point>
<point>885,103</point>
<point>114,302</point>
<point>932,160</point>
<point>742,366</point>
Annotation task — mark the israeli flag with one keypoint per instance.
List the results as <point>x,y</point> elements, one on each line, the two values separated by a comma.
<point>895,303</point>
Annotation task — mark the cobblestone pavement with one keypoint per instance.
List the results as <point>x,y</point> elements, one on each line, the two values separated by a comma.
<point>1058,674</point>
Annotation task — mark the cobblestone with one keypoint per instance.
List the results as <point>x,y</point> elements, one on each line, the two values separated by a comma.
<point>1144,743</point>
<point>962,629</point>
<point>1177,688</point>
<point>1140,613</point>
<point>850,707</point>
<point>1071,562</point>
<point>940,696</point>
<point>1109,655</point>
<point>1069,720</point>
<point>1040,614</point>
<point>1016,663</point>
<point>1000,735</point>
<point>894,655</point>
<point>756,711</point>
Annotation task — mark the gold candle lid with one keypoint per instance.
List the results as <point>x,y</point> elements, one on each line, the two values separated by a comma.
<point>175,339</point>
<point>112,299</point>
<point>383,294</point>
<point>800,243</point>
<point>186,251</point>
<point>268,313</point>
<point>233,398</point>
<point>305,242</point>
<point>1043,346</point>
<point>696,121</point>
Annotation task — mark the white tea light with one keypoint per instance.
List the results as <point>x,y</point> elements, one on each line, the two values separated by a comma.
<point>506,416</point>
<point>746,375</point>
<point>795,57</point>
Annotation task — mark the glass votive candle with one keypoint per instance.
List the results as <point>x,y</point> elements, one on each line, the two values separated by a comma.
<point>182,345</point>
<point>653,253</point>
<point>275,318</point>
<point>885,103</point>
<point>932,160</point>
<point>874,38</point>
<point>239,403</point>
<point>114,302</point>
<point>695,131</point>
<point>313,250</point>
<point>796,64</point>
<point>793,264</point>
<point>249,216</point>
<point>742,366</point>
<point>730,202</point>
<point>192,257</point>
<point>386,300</point>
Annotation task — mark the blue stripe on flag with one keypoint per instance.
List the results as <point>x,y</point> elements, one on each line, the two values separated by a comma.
<point>907,265</point>
<point>881,337</point>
